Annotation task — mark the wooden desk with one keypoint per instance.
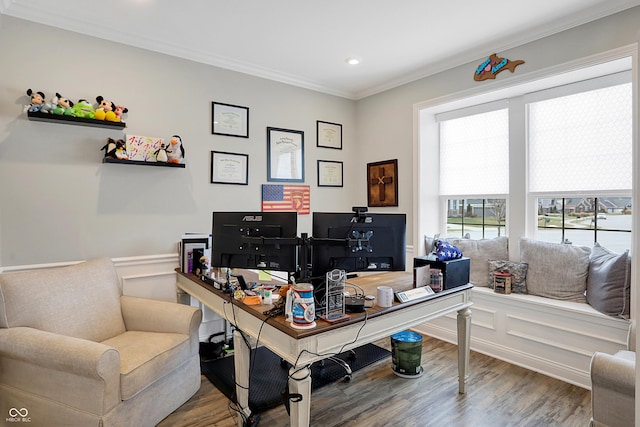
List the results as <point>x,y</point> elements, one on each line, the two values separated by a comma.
<point>303,347</point>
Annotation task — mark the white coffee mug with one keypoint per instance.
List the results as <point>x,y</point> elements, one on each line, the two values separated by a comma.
<point>385,296</point>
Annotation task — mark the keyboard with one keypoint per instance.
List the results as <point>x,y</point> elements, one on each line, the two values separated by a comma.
<point>413,294</point>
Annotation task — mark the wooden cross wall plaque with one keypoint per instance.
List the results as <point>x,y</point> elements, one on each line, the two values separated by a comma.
<point>382,183</point>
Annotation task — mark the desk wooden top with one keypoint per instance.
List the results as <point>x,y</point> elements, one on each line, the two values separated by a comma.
<point>368,282</point>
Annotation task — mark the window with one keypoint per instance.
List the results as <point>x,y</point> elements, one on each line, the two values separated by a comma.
<point>580,162</point>
<point>474,161</point>
<point>550,159</point>
<point>476,218</point>
<point>585,220</point>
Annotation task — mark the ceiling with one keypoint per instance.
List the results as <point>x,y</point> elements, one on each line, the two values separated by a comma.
<point>306,43</point>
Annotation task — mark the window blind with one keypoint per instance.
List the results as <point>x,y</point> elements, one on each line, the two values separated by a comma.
<point>474,154</point>
<point>581,142</point>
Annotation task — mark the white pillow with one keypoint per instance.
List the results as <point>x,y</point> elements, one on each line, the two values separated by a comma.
<point>480,252</point>
<point>555,270</point>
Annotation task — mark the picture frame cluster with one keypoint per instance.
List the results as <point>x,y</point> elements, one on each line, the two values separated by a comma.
<point>285,150</point>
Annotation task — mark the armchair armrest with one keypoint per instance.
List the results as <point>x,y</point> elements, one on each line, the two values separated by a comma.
<point>80,369</point>
<point>613,389</point>
<point>141,314</point>
<point>60,352</point>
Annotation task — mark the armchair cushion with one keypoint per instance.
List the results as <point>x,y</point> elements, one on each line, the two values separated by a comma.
<point>81,300</point>
<point>146,357</point>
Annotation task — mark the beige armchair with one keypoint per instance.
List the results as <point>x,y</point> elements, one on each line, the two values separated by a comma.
<point>613,386</point>
<point>74,351</point>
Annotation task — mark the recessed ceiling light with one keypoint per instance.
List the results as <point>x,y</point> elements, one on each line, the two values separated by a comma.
<point>352,61</point>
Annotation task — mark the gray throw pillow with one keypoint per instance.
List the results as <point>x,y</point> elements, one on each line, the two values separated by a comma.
<point>479,253</point>
<point>609,282</point>
<point>518,271</point>
<point>556,270</point>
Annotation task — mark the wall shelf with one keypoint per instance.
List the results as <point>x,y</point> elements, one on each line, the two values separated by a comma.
<point>142,163</point>
<point>70,120</point>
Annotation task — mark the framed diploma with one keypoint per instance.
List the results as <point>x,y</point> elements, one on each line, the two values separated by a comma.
<point>229,120</point>
<point>329,135</point>
<point>285,155</point>
<point>229,168</point>
<point>329,173</point>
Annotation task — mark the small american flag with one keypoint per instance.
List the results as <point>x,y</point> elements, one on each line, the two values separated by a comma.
<point>286,198</point>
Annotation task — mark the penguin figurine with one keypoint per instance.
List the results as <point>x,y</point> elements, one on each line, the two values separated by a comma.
<point>161,154</point>
<point>110,148</point>
<point>121,154</point>
<point>176,155</point>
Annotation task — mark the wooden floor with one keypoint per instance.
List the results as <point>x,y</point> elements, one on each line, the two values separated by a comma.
<point>498,394</point>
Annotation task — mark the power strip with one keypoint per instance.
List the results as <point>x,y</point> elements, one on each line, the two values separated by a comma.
<point>354,304</point>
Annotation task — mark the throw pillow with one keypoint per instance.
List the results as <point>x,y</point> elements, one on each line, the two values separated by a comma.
<point>428,242</point>
<point>481,251</point>
<point>609,282</point>
<point>518,271</point>
<point>555,270</point>
<point>445,251</point>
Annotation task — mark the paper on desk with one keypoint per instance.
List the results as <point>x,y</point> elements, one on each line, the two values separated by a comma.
<point>264,276</point>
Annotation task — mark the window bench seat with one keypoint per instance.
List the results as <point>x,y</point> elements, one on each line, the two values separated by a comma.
<point>554,337</point>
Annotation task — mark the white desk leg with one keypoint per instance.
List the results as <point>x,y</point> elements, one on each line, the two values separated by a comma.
<point>300,383</point>
<point>464,340</point>
<point>241,356</point>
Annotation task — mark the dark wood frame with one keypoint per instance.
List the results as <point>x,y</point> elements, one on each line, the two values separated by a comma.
<point>382,183</point>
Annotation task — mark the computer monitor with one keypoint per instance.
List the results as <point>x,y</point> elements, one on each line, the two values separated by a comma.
<point>255,240</point>
<point>358,241</point>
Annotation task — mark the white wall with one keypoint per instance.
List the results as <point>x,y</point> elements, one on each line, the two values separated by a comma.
<point>58,202</point>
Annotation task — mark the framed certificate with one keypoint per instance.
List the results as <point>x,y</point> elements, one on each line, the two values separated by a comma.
<point>229,120</point>
<point>285,155</point>
<point>329,173</point>
<point>329,135</point>
<point>229,168</point>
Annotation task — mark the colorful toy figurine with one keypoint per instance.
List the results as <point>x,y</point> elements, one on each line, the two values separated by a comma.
<point>105,110</point>
<point>176,152</point>
<point>62,105</point>
<point>83,108</point>
<point>161,154</point>
<point>38,102</point>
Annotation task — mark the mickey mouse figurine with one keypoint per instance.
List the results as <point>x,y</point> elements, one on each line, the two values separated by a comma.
<point>62,106</point>
<point>105,110</point>
<point>38,102</point>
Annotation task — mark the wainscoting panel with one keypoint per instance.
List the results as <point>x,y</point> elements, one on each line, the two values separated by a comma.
<point>556,338</point>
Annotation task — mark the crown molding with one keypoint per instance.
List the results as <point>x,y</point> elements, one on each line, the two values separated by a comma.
<point>25,10</point>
